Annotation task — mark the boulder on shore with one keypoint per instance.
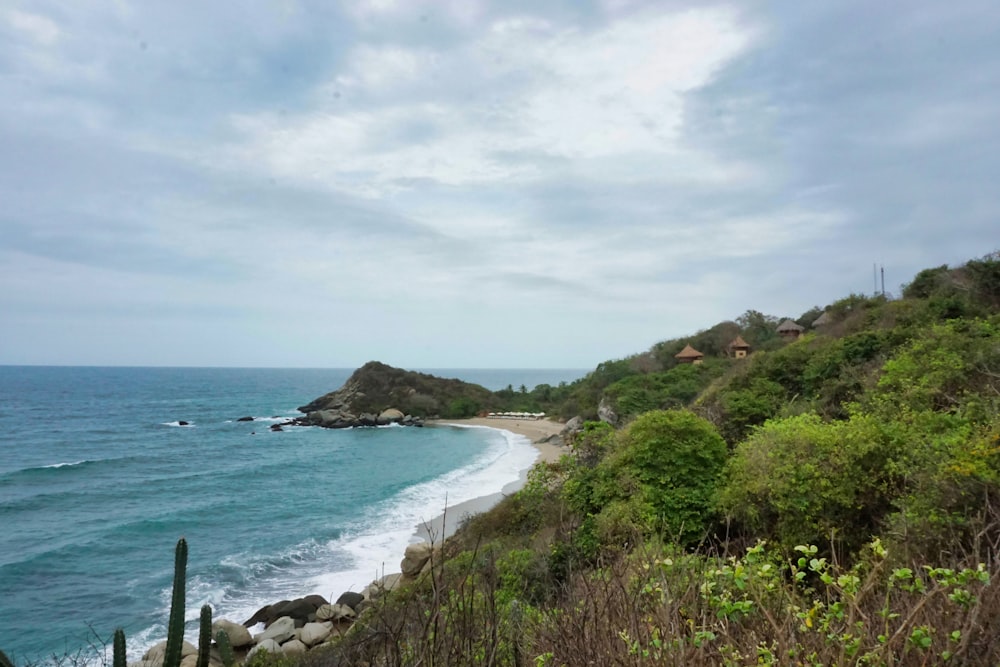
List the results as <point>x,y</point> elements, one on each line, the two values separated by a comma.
<point>155,653</point>
<point>238,635</point>
<point>351,599</point>
<point>268,645</point>
<point>294,647</point>
<point>281,630</point>
<point>314,633</point>
<point>302,610</point>
<point>573,426</point>
<point>415,557</point>
<point>390,416</point>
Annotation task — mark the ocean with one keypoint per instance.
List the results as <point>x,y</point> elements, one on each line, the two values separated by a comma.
<point>99,479</point>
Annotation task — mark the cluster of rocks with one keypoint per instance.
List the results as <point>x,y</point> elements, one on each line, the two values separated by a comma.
<point>340,417</point>
<point>297,626</point>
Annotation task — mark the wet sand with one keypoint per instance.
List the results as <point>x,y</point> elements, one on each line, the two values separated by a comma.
<point>536,431</point>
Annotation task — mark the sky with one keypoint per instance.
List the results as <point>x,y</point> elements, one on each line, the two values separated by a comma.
<point>474,184</point>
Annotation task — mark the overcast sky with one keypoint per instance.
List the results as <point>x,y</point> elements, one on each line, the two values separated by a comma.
<point>462,183</point>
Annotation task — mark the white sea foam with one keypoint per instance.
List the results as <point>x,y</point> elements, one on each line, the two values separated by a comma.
<point>177,423</point>
<point>67,464</point>
<point>376,548</point>
<point>370,548</point>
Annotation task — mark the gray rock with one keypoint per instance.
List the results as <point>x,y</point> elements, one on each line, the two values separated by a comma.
<point>268,645</point>
<point>155,653</point>
<point>367,419</point>
<point>316,600</point>
<point>293,647</point>
<point>392,415</point>
<point>606,413</point>
<point>281,630</point>
<point>299,609</point>
<point>351,599</point>
<point>381,586</point>
<point>262,615</point>
<point>573,425</point>
<point>414,558</point>
<point>314,633</point>
<point>238,635</point>
<point>334,612</point>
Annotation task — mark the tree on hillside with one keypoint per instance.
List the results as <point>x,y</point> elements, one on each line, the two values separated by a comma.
<point>757,327</point>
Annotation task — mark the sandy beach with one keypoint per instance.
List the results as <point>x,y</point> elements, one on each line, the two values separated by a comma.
<point>535,430</point>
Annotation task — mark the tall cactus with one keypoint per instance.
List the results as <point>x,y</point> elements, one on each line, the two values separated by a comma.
<point>204,636</point>
<point>175,626</point>
<point>225,649</point>
<point>118,651</point>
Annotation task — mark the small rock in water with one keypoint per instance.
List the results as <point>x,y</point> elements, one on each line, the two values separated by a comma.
<point>245,419</point>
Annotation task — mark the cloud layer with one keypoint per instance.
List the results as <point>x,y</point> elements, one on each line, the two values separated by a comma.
<point>472,183</point>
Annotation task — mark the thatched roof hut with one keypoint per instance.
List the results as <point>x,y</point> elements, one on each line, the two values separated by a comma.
<point>689,355</point>
<point>823,319</point>
<point>789,329</point>
<point>739,348</point>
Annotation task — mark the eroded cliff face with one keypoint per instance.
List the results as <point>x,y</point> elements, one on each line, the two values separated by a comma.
<point>377,387</point>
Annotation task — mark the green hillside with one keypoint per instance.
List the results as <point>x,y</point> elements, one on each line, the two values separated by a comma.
<point>830,499</point>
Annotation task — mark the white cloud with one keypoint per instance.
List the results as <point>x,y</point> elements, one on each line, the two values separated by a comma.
<point>614,92</point>
<point>388,68</point>
<point>42,29</point>
<point>376,12</point>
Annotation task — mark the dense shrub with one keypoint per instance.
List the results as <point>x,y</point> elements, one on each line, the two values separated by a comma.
<point>801,480</point>
<point>660,475</point>
<point>674,388</point>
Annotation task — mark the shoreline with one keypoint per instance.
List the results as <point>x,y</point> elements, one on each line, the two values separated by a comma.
<point>538,432</point>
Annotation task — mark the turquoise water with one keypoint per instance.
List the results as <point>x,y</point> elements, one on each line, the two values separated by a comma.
<point>98,481</point>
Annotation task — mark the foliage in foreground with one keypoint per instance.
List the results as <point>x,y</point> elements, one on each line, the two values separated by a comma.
<point>663,606</point>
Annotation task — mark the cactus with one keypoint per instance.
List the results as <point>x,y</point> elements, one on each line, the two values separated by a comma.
<point>5,661</point>
<point>118,652</point>
<point>225,649</point>
<point>175,626</point>
<point>204,636</point>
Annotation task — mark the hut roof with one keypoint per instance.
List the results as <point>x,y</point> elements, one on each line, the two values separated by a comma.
<point>822,319</point>
<point>688,353</point>
<point>788,325</point>
<point>739,342</point>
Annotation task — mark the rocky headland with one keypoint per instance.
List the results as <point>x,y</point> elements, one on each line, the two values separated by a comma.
<point>379,395</point>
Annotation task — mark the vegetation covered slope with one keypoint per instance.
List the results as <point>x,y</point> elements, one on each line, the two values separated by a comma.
<point>829,500</point>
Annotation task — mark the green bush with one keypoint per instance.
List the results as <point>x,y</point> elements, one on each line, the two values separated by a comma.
<point>802,480</point>
<point>462,407</point>
<point>660,476</point>
<point>674,388</point>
